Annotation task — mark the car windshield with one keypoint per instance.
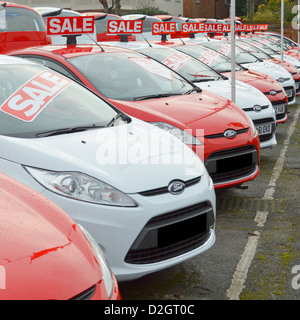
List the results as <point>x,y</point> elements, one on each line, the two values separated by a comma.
<point>263,47</point>
<point>253,50</point>
<point>129,76</point>
<point>273,43</point>
<point>185,65</point>
<point>20,19</point>
<point>241,56</point>
<point>211,58</point>
<point>34,100</point>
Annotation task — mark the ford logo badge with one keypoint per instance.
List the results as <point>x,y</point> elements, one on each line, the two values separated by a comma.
<point>176,187</point>
<point>280,80</point>
<point>257,108</point>
<point>273,92</point>
<point>230,134</point>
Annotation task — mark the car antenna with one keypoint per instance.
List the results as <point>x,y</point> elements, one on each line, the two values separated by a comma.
<point>96,42</point>
<point>181,40</point>
<point>149,44</point>
<point>3,5</point>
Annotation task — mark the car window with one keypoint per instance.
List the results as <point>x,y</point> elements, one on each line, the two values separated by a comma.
<point>212,58</point>
<point>127,76</point>
<point>34,99</point>
<point>184,64</point>
<point>261,46</point>
<point>253,50</point>
<point>241,55</point>
<point>19,19</point>
<point>52,64</point>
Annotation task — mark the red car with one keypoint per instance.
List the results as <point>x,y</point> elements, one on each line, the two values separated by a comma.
<point>20,27</point>
<point>222,135</point>
<point>44,255</point>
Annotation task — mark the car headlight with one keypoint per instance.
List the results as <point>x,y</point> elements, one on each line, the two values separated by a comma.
<point>106,271</point>
<point>80,186</point>
<point>182,135</point>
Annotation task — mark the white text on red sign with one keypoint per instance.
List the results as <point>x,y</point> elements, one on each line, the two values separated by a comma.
<point>188,28</point>
<point>70,25</point>
<point>159,28</point>
<point>124,26</point>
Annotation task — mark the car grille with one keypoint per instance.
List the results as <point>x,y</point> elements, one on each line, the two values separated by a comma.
<point>172,234</point>
<point>162,190</point>
<point>221,135</point>
<point>232,164</point>
<point>252,108</point>
<point>276,91</point>
<point>280,115</point>
<point>85,295</point>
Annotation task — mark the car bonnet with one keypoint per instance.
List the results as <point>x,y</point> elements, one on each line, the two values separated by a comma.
<point>132,158</point>
<point>38,240</point>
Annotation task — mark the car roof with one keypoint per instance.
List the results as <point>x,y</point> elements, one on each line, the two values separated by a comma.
<point>13,4</point>
<point>4,59</point>
<point>70,51</point>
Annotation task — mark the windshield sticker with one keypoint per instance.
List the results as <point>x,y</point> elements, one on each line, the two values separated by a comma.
<point>153,67</point>
<point>209,58</point>
<point>177,60</point>
<point>29,100</point>
<point>226,50</point>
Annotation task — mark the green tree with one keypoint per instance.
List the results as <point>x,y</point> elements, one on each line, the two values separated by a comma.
<point>271,10</point>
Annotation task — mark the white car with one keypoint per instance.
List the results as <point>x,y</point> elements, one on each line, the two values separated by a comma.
<point>143,195</point>
<point>250,62</point>
<point>251,100</point>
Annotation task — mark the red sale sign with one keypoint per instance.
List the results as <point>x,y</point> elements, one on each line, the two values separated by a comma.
<point>260,27</point>
<point>70,25</point>
<point>159,28</point>
<point>124,26</point>
<point>29,100</point>
<point>193,27</point>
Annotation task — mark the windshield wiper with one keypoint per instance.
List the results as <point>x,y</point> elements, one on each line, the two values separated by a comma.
<point>115,118</point>
<point>66,130</point>
<point>195,89</point>
<point>203,80</point>
<point>154,96</point>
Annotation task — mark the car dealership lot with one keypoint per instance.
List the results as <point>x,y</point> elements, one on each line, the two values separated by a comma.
<point>273,273</point>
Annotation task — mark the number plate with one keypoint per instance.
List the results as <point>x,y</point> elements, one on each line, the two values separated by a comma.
<point>289,93</point>
<point>279,108</point>
<point>264,128</point>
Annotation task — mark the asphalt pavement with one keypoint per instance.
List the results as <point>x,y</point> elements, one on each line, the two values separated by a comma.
<point>257,252</point>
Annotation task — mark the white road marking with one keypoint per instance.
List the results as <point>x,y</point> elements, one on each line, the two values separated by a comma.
<point>240,275</point>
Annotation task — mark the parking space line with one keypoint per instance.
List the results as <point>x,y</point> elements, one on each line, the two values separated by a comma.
<point>240,275</point>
